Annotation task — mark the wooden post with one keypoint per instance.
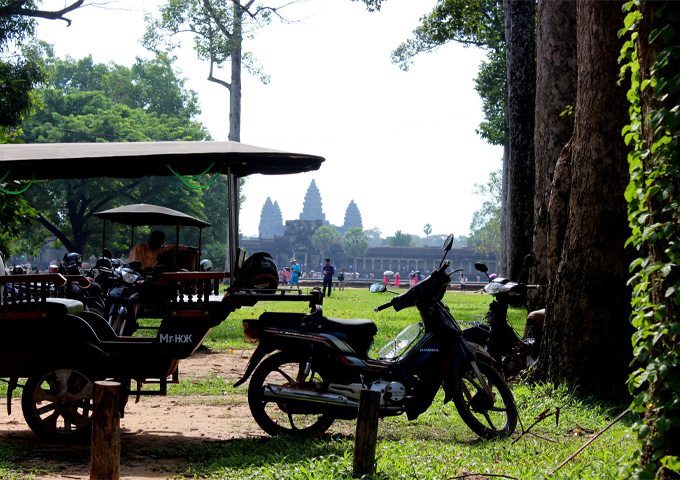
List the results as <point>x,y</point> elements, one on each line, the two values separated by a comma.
<point>105,451</point>
<point>367,433</point>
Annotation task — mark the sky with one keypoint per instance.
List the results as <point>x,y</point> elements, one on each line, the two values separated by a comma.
<point>402,145</point>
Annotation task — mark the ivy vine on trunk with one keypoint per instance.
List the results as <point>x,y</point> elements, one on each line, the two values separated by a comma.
<point>652,55</point>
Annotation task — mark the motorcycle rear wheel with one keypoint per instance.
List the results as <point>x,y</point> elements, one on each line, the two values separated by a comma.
<point>487,419</point>
<point>281,417</point>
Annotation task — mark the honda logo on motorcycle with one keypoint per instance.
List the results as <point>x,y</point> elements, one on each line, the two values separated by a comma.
<point>178,338</point>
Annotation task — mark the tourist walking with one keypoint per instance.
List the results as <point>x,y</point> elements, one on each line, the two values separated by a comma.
<point>341,280</point>
<point>294,273</point>
<point>463,281</point>
<point>328,272</point>
<point>396,279</point>
<point>386,281</point>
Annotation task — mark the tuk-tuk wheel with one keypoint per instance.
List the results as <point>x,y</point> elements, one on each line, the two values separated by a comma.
<point>58,403</point>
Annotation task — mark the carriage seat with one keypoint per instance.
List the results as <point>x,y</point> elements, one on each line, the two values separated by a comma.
<point>63,306</point>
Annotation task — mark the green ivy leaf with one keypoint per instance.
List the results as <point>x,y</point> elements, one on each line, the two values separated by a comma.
<point>671,463</point>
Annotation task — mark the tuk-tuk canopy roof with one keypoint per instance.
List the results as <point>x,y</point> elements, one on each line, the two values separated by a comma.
<point>144,214</point>
<point>139,159</point>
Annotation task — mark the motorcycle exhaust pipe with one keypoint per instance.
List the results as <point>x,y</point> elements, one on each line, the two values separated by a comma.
<point>280,391</point>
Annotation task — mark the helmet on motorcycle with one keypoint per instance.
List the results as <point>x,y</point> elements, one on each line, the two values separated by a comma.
<point>72,263</point>
<point>259,271</point>
<point>205,266</point>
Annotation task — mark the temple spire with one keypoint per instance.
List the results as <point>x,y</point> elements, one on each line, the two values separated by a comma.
<point>312,209</point>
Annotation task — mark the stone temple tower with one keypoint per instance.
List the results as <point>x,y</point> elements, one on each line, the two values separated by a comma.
<point>313,207</point>
<point>352,217</point>
<point>271,220</point>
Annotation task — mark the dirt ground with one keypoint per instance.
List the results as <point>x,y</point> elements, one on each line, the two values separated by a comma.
<point>155,422</point>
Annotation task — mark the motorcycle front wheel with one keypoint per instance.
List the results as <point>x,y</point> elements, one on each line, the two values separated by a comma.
<point>286,416</point>
<point>488,418</point>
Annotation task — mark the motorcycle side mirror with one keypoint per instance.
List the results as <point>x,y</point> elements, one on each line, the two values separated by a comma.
<point>378,287</point>
<point>480,267</point>
<point>448,243</point>
<point>528,261</point>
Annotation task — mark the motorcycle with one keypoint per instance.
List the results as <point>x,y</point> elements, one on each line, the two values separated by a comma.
<point>322,364</point>
<point>512,353</point>
<point>124,298</point>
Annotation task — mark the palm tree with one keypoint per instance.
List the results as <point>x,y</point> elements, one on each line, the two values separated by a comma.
<point>355,243</point>
<point>427,229</point>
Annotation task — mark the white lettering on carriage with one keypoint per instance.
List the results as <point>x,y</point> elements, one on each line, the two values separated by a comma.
<point>179,338</point>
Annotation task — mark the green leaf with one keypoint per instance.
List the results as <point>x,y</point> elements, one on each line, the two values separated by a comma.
<point>671,463</point>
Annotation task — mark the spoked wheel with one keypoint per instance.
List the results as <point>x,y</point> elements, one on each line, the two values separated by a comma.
<point>489,418</point>
<point>57,405</point>
<point>285,416</point>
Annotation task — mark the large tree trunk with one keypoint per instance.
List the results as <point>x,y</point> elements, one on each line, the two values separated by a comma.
<point>587,333</point>
<point>555,89</point>
<point>235,88</point>
<point>520,104</point>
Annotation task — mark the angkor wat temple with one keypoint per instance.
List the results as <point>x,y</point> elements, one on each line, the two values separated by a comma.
<point>294,239</point>
<point>271,220</point>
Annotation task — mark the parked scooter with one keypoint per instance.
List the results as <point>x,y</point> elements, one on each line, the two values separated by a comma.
<point>124,298</point>
<point>323,364</point>
<point>89,293</point>
<point>512,353</point>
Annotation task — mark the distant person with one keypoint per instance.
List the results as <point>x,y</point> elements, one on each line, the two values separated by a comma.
<point>147,253</point>
<point>396,279</point>
<point>294,273</point>
<point>341,280</point>
<point>463,281</point>
<point>386,280</point>
<point>328,272</point>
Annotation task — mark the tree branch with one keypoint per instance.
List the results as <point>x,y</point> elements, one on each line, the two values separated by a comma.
<point>223,29</point>
<point>16,8</point>
<point>55,231</point>
<point>212,64</point>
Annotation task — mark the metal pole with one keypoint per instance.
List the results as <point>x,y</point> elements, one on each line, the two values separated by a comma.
<point>233,205</point>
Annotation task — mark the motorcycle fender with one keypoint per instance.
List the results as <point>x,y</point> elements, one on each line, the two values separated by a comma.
<point>260,352</point>
<point>450,382</point>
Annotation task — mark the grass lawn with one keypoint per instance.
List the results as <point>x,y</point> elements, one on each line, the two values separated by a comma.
<point>438,445</point>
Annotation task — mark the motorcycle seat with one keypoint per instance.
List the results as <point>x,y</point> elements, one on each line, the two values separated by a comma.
<point>537,316</point>
<point>62,306</point>
<point>351,327</point>
<point>316,322</point>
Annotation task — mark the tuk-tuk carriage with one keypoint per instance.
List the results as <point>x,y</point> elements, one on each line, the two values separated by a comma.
<point>58,350</point>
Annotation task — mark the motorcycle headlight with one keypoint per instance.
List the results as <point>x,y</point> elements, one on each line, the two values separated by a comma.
<point>130,276</point>
<point>492,288</point>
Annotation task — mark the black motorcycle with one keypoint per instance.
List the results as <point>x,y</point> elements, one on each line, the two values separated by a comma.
<point>511,352</point>
<point>323,364</point>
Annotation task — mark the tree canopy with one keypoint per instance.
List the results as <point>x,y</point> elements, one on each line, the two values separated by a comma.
<point>88,102</point>
<point>477,23</point>
<point>355,242</point>
<point>485,228</point>
<point>324,238</point>
<point>218,29</point>
<point>401,240</point>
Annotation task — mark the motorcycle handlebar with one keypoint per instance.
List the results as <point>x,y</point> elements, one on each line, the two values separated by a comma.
<point>382,307</point>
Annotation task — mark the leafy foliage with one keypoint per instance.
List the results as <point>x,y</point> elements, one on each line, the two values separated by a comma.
<point>401,240</point>
<point>654,212</point>
<point>324,238</point>
<point>472,23</point>
<point>486,224</point>
<point>88,102</point>
<point>355,242</point>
